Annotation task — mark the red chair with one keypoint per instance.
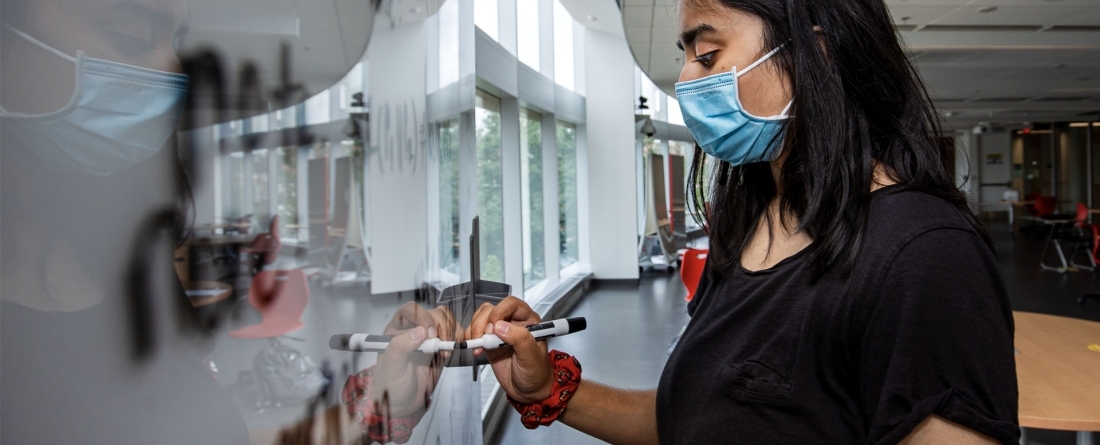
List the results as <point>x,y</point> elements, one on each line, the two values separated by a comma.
<point>281,297</point>
<point>1045,206</point>
<point>691,269</point>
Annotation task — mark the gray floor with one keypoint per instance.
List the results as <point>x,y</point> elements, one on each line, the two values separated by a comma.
<point>636,323</point>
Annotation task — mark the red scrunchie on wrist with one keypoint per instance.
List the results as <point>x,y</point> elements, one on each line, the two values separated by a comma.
<point>567,375</point>
<point>379,428</point>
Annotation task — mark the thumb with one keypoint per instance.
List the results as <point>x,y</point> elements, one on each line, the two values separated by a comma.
<point>405,343</point>
<point>529,354</point>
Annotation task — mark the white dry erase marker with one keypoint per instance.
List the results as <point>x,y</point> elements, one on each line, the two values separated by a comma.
<point>378,343</point>
<point>541,331</point>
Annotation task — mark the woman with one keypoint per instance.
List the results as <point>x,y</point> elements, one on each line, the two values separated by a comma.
<point>850,296</point>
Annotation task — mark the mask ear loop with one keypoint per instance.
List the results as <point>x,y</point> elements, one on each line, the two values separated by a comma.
<point>758,61</point>
<point>38,43</point>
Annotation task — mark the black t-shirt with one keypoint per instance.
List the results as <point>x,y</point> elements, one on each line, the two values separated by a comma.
<point>921,327</point>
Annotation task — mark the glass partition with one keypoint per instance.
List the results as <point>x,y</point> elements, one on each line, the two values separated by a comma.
<point>284,211</point>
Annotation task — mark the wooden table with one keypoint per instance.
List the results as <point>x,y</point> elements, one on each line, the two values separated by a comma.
<point>1058,374</point>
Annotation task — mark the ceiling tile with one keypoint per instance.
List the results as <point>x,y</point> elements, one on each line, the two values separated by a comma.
<point>638,15</point>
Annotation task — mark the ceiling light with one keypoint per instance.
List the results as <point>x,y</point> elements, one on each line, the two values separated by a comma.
<point>987,9</point>
<point>592,18</point>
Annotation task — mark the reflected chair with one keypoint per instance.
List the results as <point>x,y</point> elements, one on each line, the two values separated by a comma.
<point>1084,236</point>
<point>264,249</point>
<point>281,297</point>
<point>691,269</point>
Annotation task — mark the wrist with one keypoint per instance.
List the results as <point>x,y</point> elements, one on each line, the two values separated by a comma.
<point>374,418</point>
<point>566,376</point>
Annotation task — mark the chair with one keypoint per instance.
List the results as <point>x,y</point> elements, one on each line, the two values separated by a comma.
<point>281,297</point>
<point>1092,257</point>
<point>1085,236</point>
<point>264,249</point>
<point>691,269</point>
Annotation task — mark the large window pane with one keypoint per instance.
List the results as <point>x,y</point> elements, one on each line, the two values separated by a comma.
<point>563,46</point>
<point>486,17</point>
<point>449,242</point>
<point>261,197</point>
<point>568,231</point>
<point>489,188</point>
<point>286,187</point>
<point>531,212</point>
<point>527,32</point>
<point>233,188</point>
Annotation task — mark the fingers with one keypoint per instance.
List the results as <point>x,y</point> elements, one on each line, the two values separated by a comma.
<point>531,374</point>
<point>409,316</point>
<point>396,357</point>
<point>514,310</point>
<point>477,322</point>
<point>529,353</point>
<point>509,309</point>
<point>444,321</point>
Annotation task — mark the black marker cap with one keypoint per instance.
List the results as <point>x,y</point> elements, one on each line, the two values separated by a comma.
<point>340,342</point>
<point>576,324</point>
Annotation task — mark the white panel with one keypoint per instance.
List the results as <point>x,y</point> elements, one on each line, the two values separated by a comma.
<point>610,148</point>
<point>398,182</point>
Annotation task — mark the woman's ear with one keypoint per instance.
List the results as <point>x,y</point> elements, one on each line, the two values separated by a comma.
<point>820,33</point>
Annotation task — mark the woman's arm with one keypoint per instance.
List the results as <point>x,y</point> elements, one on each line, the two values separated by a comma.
<point>524,372</point>
<point>612,414</point>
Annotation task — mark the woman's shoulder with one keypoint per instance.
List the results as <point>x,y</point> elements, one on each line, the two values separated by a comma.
<point>896,211</point>
<point>898,217</point>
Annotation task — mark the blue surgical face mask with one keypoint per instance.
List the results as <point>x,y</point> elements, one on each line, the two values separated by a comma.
<point>119,115</point>
<point>713,112</point>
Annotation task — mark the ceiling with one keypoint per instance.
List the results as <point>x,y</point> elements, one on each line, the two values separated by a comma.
<point>995,61</point>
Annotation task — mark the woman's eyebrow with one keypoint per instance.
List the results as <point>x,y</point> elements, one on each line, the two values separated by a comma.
<point>687,38</point>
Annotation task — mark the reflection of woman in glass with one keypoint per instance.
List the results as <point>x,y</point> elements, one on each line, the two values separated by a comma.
<point>89,103</point>
<point>850,296</point>
<point>90,99</point>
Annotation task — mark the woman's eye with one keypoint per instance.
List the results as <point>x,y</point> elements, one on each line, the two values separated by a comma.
<point>706,59</point>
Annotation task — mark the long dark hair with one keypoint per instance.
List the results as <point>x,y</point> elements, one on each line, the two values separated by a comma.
<point>858,102</point>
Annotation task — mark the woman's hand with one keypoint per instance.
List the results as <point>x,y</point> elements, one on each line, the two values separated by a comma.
<point>402,375</point>
<point>523,369</point>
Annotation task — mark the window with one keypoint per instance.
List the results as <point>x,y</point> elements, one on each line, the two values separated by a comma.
<point>486,17</point>
<point>449,243</point>
<point>527,32</point>
<point>317,109</point>
<point>489,189</point>
<point>261,198</point>
<point>675,115</point>
<point>531,212</point>
<point>563,46</point>
<point>568,231</point>
<point>235,205</point>
<point>286,186</point>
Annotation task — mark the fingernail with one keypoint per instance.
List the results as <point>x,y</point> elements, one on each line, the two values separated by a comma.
<point>502,327</point>
<point>488,328</point>
<point>432,333</point>
<point>418,333</point>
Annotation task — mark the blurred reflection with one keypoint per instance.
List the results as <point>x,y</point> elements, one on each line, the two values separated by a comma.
<point>124,320</point>
<point>90,96</point>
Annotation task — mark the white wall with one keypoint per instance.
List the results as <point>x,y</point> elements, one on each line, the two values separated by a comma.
<point>397,157</point>
<point>994,143</point>
<point>612,203</point>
